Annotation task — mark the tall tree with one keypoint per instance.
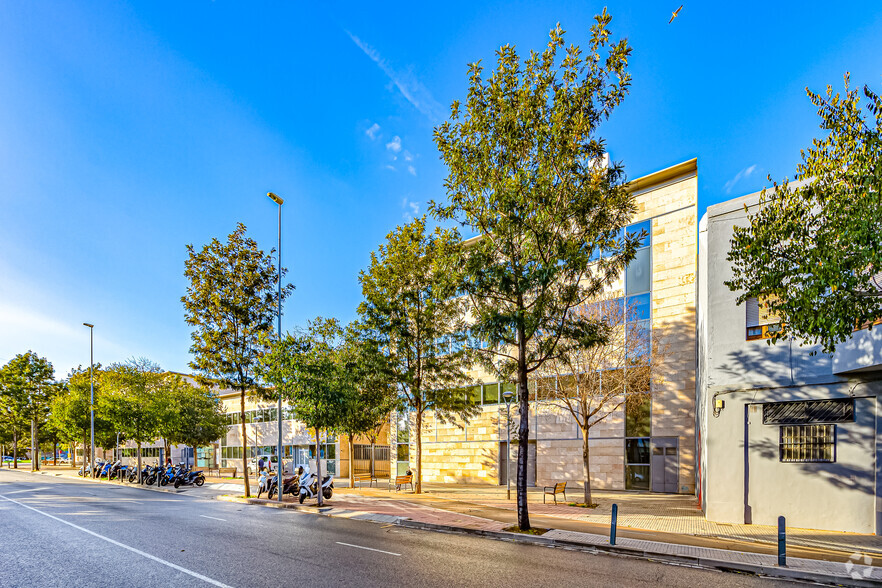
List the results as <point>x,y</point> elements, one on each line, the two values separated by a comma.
<point>231,303</point>
<point>70,411</point>
<point>370,393</point>
<point>526,174</point>
<point>200,418</point>
<point>412,308</point>
<point>134,400</point>
<point>306,368</point>
<point>612,378</point>
<point>29,384</point>
<point>813,249</point>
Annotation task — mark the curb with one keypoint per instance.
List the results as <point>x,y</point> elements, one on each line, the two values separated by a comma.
<point>774,572</point>
<point>113,483</point>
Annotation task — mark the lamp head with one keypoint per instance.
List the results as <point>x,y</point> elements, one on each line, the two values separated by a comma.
<point>89,325</point>
<point>506,395</point>
<point>275,198</point>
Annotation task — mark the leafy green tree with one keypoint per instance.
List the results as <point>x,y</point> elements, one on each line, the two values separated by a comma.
<point>306,368</point>
<point>370,393</point>
<point>412,311</point>
<point>134,400</point>
<point>231,302</point>
<point>813,249</point>
<point>70,412</point>
<point>200,418</point>
<point>526,175</point>
<point>28,384</point>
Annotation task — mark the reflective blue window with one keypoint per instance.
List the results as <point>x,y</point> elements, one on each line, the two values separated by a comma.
<point>638,307</point>
<point>642,227</point>
<point>639,273</point>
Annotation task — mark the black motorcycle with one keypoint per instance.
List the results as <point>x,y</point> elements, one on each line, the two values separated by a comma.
<point>189,478</point>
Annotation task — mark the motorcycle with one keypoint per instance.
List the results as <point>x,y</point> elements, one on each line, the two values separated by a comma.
<point>290,485</point>
<point>309,486</point>
<point>152,475</point>
<point>263,482</point>
<point>86,471</point>
<point>190,478</point>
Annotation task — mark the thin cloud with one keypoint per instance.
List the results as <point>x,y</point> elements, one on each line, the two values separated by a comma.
<point>407,156</point>
<point>372,132</point>
<point>742,175</point>
<point>411,209</point>
<point>410,87</point>
<point>412,170</point>
<point>394,145</point>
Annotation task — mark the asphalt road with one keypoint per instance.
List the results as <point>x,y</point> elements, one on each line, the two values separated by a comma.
<point>62,532</point>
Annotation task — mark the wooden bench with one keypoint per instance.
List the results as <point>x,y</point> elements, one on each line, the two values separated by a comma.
<point>403,481</point>
<point>365,478</point>
<point>226,472</point>
<point>559,488</point>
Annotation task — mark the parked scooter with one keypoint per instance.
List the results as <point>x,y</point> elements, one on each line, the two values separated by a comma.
<point>190,478</point>
<point>263,482</point>
<point>291,485</point>
<point>309,486</point>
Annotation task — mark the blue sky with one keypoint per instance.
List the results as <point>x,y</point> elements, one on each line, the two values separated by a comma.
<point>129,130</point>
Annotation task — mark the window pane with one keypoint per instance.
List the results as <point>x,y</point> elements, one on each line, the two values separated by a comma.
<point>637,477</point>
<point>638,307</point>
<point>644,227</point>
<point>403,452</point>
<point>618,242</point>
<point>473,394</point>
<point>637,276</point>
<point>637,450</point>
<point>491,393</point>
<point>637,415</point>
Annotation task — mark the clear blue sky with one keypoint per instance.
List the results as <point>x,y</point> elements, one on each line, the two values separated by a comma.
<point>130,130</point>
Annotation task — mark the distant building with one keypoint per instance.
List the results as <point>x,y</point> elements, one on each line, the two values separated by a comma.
<point>784,429</point>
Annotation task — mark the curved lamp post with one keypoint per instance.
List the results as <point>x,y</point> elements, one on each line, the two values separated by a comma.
<point>91,397</point>
<point>507,396</point>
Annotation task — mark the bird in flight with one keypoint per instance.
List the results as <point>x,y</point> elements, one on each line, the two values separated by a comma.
<point>675,13</point>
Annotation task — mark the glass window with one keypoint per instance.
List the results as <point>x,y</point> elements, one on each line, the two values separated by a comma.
<point>638,228</point>
<point>638,307</point>
<point>638,416</point>
<point>637,451</point>
<point>491,393</point>
<point>638,273</point>
<point>617,238</point>
<point>403,452</point>
<point>808,443</point>
<point>637,477</point>
<point>473,394</point>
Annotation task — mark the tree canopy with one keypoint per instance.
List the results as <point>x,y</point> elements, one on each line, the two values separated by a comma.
<point>231,303</point>
<point>412,310</point>
<point>813,248</point>
<point>527,175</point>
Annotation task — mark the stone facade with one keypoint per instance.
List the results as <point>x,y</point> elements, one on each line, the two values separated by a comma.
<point>474,452</point>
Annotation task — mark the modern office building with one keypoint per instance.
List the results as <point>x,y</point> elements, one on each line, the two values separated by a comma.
<point>785,429</point>
<point>651,450</point>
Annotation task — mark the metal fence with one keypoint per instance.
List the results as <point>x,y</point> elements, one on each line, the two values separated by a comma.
<point>361,460</point>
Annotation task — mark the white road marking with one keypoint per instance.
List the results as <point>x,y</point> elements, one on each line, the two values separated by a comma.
<point>215,518</point>
<point>368,548</point>
<point>29,490</point>
<point>123,545</point>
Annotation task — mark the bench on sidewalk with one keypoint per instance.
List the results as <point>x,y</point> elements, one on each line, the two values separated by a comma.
<point>403,481</point>
<point>559,488</point>
<point>226,472</point>
<point>371,479</point>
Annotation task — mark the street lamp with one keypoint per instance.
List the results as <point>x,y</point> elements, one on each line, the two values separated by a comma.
<point>280,470</point>
<point>91,396</point>
<point>507,395</point>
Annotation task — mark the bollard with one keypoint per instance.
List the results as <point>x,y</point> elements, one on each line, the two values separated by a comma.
<point>782,543</point>
<point>612,524</point>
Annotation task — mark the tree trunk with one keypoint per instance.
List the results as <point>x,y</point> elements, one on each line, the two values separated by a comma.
<point>523,433</point>
<point>14,447</point>
<point>351,463</point>
<point>372,459</point>
<point>55,453</point>
<point>586,453</point>
<point>318,465</point>
<point>72,450</point>
<point>418,487</point>
<point>139,464</point>
<point>244,444</point>
<point>34,459</point>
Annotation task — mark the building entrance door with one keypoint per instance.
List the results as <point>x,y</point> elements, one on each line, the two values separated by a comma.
<point>511,468</point>
<point>665,465</point>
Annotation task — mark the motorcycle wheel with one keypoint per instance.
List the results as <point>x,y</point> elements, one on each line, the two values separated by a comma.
<point>149,480</point>
<point>328,493</point>
<point>200,480</point>
<point>163,481</point>
<point>302,497</point>
<point>178,483</point>
<point>271,493</point>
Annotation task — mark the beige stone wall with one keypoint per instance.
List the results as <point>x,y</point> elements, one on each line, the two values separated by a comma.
<point>470,452</point>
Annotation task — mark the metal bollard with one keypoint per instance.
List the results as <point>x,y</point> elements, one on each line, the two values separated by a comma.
<point>612,524</point>
<point>782,543</point>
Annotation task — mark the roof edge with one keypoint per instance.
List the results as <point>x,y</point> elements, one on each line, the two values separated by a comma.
<point>669,173</point>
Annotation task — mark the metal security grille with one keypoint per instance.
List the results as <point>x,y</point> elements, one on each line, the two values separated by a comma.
<point>361,460</point>
<point>810,411</point>
<point>808,443</point>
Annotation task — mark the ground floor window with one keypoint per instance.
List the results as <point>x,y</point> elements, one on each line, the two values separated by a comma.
<point>808,443</point>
